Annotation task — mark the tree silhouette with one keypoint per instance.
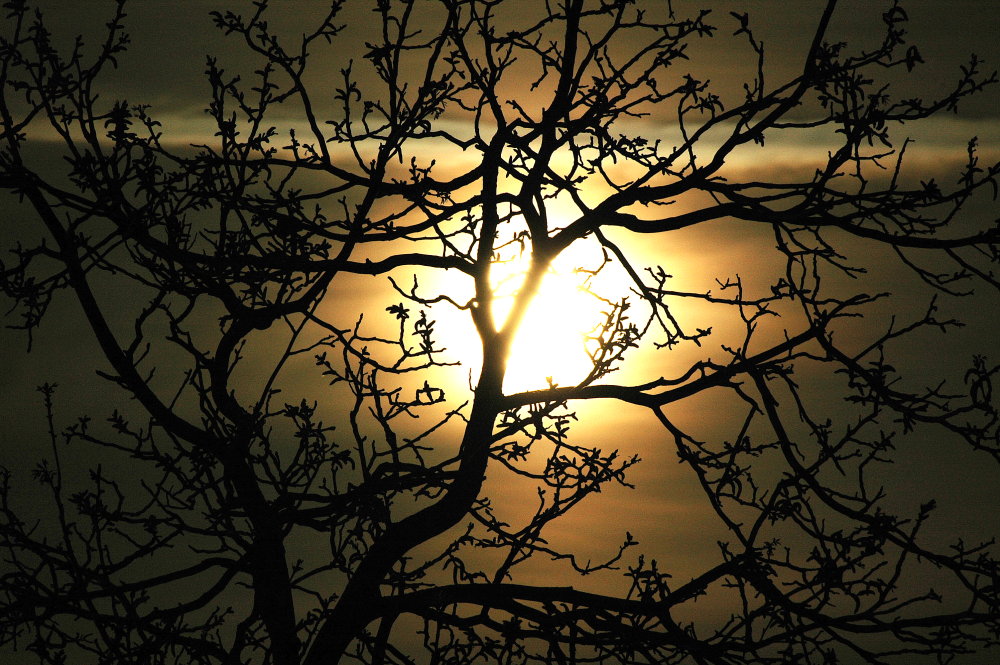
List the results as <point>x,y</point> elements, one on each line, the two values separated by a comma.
<point>304,481</point>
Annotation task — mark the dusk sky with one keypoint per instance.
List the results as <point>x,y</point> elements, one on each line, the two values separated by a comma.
<point>164,67</point>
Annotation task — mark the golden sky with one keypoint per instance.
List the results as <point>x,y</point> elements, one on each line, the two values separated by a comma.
<point>665,512</point>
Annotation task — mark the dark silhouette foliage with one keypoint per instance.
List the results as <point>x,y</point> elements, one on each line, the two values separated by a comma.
<point>294,478</point>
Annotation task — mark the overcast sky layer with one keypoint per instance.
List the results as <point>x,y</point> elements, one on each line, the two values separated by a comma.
<point>171,41</point>
<point>164,67</point>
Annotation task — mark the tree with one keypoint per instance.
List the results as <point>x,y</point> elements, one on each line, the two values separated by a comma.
<point>300,481</point>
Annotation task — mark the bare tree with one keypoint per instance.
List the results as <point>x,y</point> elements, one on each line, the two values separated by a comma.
<point>298,483</point>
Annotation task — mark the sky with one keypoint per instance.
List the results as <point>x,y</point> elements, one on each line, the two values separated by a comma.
<point>164,68</point>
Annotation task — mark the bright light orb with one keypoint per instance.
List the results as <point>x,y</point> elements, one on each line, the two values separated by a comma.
<point>552,339</point>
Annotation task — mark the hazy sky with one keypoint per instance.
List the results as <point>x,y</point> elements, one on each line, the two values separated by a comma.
<point>165,66</point>
<point>171,40</point>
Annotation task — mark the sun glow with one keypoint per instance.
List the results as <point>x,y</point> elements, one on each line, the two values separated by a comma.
<point>558,330</point>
